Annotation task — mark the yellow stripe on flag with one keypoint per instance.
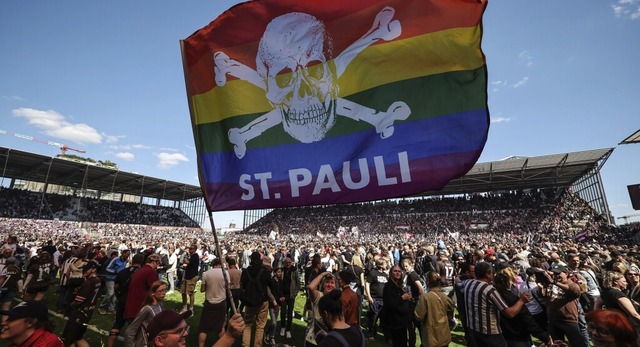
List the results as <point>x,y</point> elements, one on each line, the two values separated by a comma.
<point>434,53</point>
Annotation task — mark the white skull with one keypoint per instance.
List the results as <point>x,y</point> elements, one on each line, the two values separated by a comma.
<point>292,59</point>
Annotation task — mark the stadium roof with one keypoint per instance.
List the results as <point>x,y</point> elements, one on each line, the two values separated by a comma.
<point>513,173</point>
<point>509,174</point>
<point>38,168</point>
<point>633,138</point>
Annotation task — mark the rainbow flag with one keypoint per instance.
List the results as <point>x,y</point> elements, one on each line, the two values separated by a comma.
<point>301,102</point>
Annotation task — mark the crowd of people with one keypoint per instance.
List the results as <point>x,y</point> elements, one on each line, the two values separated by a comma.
<point>506,268</point>
<point>21,203</point>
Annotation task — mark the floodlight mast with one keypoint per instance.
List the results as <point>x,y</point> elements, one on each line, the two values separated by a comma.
<point>63,148</point>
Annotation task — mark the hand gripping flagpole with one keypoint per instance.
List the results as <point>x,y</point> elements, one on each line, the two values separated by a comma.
<point>225,273</point>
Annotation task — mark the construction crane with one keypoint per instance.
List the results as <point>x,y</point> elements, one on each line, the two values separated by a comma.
<point>626,218</point>
<point>63,148</point>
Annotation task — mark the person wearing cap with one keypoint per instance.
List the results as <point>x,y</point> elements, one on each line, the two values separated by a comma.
<point>490,255</point>
<point>116,265</point>
<point>82,306</point>
<point>169,329</point>
<point>28,325</point>
<point>10,274</point>
<point>562,307</point>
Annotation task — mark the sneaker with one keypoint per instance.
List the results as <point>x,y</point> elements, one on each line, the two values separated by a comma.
<point>273,341</point>
<point>102,310</point>
<point>288,334</point>
<point>282,332</point>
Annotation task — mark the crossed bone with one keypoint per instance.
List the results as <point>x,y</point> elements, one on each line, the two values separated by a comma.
<point>383,28</point>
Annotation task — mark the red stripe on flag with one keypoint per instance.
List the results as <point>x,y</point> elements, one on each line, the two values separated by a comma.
<point>238,30</point>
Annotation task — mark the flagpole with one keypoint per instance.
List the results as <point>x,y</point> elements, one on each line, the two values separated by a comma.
<point>225,273</point>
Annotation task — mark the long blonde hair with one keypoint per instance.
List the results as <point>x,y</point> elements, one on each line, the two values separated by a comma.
<point>610,277</point>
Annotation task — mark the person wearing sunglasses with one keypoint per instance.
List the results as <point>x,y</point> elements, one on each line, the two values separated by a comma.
<point>170,329</point>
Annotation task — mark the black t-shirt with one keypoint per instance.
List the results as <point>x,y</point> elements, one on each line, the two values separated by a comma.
<point>192,268</point>
<point>352,335</point>
<point>412,277</point>
<point>88,292</point>
<point>377,280</point>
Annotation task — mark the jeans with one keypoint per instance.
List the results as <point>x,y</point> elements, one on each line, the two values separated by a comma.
<point>477,339</point>
<point>257,315</point>
<point>273,321</point>
<point>286,313</point>
<point>61,303</point>
<point>171,279</point>
<point>109,297</point>
<point>372,315</point>
<point>559,330</point>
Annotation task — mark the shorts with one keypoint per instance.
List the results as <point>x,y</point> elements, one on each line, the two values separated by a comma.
<point>189,285</point>
<point>73,332</point>
<point>213,317</point>
<point>7,296</point>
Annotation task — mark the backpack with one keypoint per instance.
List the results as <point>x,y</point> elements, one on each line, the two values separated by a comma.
<point>141,339</point>
<point>252,294</point>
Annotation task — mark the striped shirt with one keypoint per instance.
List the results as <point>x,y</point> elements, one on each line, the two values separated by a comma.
<point>483,303</point>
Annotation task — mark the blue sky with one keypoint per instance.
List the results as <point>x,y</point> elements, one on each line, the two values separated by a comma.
<point>107,77</point>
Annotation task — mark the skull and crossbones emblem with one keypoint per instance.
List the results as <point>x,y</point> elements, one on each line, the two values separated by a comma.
<point>301,84</point>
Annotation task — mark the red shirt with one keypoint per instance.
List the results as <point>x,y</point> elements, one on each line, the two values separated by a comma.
<point>41,338</point>
<point>138,288</point>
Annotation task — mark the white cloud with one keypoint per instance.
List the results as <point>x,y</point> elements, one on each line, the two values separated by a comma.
<point>128,156</point>
<point>627,9</point>
<point>139,146</point>
<point>168,160</point>
<point>500,119</point>
<point>112,138</point>
<point>55,125</point>
<point>526,57</point>
<point>13,98</point>
<point>521,82</point>
<point>129,147</point>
